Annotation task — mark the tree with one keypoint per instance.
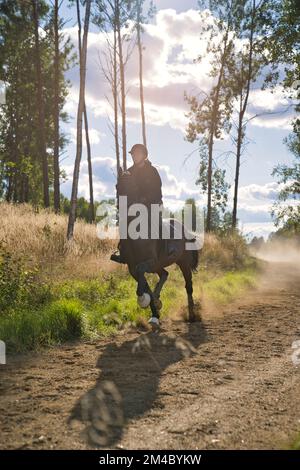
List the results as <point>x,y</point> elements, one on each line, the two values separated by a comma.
<point>86,126</point>
<point>112,17</point>
<point>21,163</point>
<point>219,188</point>
<point>105,19</point>
<point>254,22</point>
<point>56,108</point>
<point>72,215</point>
<point>139,20</point>
<point>210,116</point>
<point>286,211</point>
<point>40,102</point>
<point>284,47</point>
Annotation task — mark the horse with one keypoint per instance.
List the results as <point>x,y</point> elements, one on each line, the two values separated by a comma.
<point>151,255</point>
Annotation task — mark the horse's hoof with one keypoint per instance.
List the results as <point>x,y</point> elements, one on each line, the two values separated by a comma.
<point>158,304</point>
<point>144,300</point>
<point>154,322</point>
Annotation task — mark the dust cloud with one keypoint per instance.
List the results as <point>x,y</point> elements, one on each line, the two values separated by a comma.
<point>279,251</point>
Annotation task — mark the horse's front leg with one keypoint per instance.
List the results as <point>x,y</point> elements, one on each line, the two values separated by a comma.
<point>143,288</point>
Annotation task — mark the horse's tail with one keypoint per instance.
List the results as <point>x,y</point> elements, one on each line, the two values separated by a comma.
<point>194,256</point>
<point>194,259</point>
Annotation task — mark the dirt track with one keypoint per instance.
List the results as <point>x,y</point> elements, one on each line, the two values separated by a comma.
<point>227,383</point>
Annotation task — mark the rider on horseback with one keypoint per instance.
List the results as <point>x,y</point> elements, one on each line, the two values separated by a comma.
<point>148,182</point>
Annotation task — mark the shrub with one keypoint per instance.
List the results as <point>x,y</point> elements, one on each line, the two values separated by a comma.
<point>64,320</point>
<point>59,321</point>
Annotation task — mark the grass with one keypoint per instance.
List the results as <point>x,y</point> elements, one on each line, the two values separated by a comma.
<point>53,291</point>
<point>296,444</point>
<point>85,309</point>
<point>226,288</point>
<point>39,238</point>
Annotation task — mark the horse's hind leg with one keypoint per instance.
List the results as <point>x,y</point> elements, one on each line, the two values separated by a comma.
<point>187,274</point>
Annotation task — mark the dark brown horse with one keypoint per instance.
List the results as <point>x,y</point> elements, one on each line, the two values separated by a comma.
<point>154,255</point>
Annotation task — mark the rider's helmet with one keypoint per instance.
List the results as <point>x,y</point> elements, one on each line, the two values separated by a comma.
<point>140,147</point>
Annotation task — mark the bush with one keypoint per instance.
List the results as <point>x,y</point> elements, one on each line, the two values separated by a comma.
<point>57,322</point>
<point>63,320</point>
<point>19,285</point>
<point>224,252</point>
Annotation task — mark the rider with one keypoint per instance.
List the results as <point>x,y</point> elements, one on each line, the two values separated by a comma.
<point>148,182</point>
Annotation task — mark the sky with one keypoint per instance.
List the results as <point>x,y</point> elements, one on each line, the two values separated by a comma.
<point>172,41</point>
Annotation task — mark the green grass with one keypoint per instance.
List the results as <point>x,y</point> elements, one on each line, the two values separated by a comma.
<point>228,286</point>
<point>93,308</point>
<point>296,444</point>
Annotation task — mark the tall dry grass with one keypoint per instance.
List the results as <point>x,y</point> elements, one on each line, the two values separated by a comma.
<point>225,253</point>
<point>40,239</point>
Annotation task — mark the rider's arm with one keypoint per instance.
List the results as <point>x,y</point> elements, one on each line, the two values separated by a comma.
<point>152,188</point>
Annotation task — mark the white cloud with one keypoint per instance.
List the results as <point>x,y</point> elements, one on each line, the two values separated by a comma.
<point>258,193</point>
<point>175,192</point>
<point>268,100</point>
<point>254,205</point>
<point>94,135</point>
<point>170,46</point>
<point>274,122</point>
<point>255,229</point>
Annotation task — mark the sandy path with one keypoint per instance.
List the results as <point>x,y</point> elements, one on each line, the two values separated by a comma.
<point>227,383</point>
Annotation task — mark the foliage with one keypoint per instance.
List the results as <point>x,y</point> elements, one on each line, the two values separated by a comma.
<point>74,295</point>
<point>89,310</point>
<point>219,185</point>
<point>21,163</point>
<point>286,211</point>
<point>19,285</point>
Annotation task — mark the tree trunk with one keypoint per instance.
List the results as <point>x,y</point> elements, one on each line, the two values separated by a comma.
<point>90,169</point>
<point>140,47</point>
<point>123,96</point>
<point>209,181</point>
<point>243,108</point>
<point>83,53</point>
<point>115,98</point>
<point>41,109</point>
<point>237,171</point>
<point>212,134</point>
<point>87,137</point>
<point>56,111</point>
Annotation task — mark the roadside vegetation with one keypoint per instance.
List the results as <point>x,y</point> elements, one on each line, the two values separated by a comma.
<point>296,443</point>
<point>52,291</point>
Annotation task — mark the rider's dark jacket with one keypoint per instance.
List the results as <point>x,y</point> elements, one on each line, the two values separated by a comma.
<point>148,183</point>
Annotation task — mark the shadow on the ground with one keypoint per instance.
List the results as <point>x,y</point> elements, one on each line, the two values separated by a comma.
<point>128,382</point>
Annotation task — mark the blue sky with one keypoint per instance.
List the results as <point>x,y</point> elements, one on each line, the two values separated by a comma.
<point>172,41</point>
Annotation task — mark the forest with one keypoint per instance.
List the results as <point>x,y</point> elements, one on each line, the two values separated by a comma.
<point>249,42</point>
<point>220,371</point>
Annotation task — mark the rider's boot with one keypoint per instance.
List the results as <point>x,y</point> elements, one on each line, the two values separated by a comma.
<point>118,256</point>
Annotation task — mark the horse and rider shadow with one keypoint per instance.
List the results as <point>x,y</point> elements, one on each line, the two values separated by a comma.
<point>128,383</point>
